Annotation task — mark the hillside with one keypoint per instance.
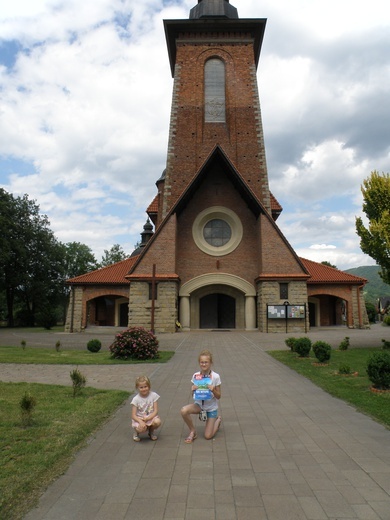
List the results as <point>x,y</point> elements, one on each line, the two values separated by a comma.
<point>375,287</point>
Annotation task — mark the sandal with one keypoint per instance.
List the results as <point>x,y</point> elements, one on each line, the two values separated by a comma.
<point>191,437</point>
<point>136,437</point>
<point>152,436</point>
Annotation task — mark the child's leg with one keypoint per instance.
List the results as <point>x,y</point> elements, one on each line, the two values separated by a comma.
<point>186,412</point>
<point>155,424</point>
<point>212,426</point>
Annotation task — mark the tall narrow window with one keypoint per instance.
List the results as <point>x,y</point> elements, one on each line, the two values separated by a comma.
<point>214,87</point>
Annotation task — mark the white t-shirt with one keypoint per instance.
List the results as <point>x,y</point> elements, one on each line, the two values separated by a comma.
<point>209,405</point>
<point>145,405</point>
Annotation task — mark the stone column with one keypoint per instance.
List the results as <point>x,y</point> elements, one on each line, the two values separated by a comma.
<point>250,313</point>
<point>185,312</point>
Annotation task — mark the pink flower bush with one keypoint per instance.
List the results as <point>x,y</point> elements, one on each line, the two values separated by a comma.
<point>135,343</point>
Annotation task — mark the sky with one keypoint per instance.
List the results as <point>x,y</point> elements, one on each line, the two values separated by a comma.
<point>85,100</point>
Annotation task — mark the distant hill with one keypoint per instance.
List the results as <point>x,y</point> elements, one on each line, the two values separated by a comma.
<point>375,288</point>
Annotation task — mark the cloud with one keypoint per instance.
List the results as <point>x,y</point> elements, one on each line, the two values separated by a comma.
<point>85,98</point>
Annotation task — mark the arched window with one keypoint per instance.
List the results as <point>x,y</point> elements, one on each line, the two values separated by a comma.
<point>214,88</point>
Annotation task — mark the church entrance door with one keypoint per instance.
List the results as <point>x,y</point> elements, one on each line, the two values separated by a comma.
<point>217,311</point>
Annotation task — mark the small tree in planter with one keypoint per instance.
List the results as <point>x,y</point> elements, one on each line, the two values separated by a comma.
<point>302,347</point>
<point>135,343</point>
<point>344,345</point>
<point>322,351</point>
<point>378,370</point>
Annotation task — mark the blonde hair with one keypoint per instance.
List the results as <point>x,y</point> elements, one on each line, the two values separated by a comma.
<point>206,353</point>
<point>142,379</point>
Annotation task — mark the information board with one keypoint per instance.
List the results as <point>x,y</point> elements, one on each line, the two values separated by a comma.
<point>295,311</point>
<point>276,311</point>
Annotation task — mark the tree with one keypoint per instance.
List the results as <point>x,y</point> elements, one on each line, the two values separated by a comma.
<point>31,267</point>
<point>79,259</point>
<point>375,240</point>
<point>325,262</point>
<point>114,255</point>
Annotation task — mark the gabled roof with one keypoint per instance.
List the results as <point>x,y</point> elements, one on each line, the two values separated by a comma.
<point>115,274</point>
<point>111,275</point>
<point>324,274</point>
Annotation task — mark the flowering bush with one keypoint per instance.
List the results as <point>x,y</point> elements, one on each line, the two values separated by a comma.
<point>134,343</point>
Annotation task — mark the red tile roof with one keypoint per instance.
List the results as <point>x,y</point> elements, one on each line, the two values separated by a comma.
<point>153,206</point>
<point>321,273</point>
<point>115,274</point>
<point>275,206</point>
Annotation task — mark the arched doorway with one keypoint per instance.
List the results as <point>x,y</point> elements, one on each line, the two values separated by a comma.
<point>217,311</point>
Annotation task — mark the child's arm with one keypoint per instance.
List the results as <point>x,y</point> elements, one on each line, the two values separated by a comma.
<point>216,390</point>
<point>134,415</point>
<point>153,414</point>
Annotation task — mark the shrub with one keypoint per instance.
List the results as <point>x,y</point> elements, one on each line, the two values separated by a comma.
<point>27,405</point>
<point>94,345</point>
<point>378,370</point>
<point>372,312</point>
<point>58,346</point>
<point>78,381</point>
<point>344,344</point>
<point>302,347</point>
<point>322,351</point>
<point>344,369</point>
<point>290,342</point>
<point>23,344</point>
<point>47,317</point>
<point>386,320</point>
<point>386,344</point>
<point>135,343</point>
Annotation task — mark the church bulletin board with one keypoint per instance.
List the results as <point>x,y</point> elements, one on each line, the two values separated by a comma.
<point>286,312</point>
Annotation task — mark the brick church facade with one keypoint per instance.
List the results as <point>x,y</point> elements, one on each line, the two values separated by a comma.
<point>216,258</point>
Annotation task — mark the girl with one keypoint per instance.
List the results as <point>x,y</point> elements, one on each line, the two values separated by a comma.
<point>209,404</point>
<point>144,415</point>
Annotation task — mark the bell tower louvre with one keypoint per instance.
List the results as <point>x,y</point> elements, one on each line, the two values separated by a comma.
<point>217,258</point>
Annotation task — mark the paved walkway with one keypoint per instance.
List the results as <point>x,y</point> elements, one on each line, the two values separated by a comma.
<point>286,449</point>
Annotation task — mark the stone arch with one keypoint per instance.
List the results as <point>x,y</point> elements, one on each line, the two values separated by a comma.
<point>222,283</point>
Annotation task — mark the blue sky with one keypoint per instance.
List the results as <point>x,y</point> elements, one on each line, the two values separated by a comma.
<point>85,98</point>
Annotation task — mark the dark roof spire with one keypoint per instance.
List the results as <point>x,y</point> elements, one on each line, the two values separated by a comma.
<point>213,9</point>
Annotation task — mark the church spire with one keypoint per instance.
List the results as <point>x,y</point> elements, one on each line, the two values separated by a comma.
<point>213,9</point>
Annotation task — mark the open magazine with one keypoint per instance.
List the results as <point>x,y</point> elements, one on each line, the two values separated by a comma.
<point>202,393</point>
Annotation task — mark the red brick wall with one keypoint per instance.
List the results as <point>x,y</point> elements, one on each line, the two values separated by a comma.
<point>192,140</point>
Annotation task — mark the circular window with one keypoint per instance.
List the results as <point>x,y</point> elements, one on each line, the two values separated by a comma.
<point>217,231</point>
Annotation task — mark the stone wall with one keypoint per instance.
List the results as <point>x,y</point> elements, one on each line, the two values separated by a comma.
<point>268,293</point>
<point>165,306</point>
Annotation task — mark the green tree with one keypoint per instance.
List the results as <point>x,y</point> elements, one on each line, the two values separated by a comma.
<point>79,259</point>
<point>31,267</point>
<point>375,240</point>
<point>325,262</point>
<point>114,255</point>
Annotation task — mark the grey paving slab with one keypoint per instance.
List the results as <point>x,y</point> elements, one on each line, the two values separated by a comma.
<point>286,450</point>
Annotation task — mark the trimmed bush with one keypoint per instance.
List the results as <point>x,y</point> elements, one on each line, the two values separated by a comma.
<point>302,347</point>
<point>94,345</point>
<point>372,312</point>
<point>344,344</point>
<point>386,320</point>
<point>322,351</point>
<point>344,369</point>
<point>386,344</point>
<point>135,343</point>
<point>378,370</point>
<point>290,342</point>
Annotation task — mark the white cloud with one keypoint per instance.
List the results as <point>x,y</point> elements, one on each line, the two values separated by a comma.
<point>85,103</point>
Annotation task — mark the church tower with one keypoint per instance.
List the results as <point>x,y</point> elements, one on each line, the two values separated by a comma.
<point>217,259</point>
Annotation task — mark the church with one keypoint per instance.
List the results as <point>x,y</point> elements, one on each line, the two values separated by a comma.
<point>212,255</point>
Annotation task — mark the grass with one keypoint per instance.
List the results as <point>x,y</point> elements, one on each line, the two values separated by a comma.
<point>49,356</point>
<point>355,390</point>
<point>32,457</point>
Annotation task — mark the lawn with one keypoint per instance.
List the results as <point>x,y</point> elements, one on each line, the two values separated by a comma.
<point>354,389</point>
<point>31,457</point>
<point>50,356</point>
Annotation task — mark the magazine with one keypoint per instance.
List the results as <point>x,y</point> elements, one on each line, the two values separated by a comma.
<point>202,393</point>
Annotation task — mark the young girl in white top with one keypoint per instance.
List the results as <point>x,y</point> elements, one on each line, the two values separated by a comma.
<point>144,415</point>
<point>208,405</point>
